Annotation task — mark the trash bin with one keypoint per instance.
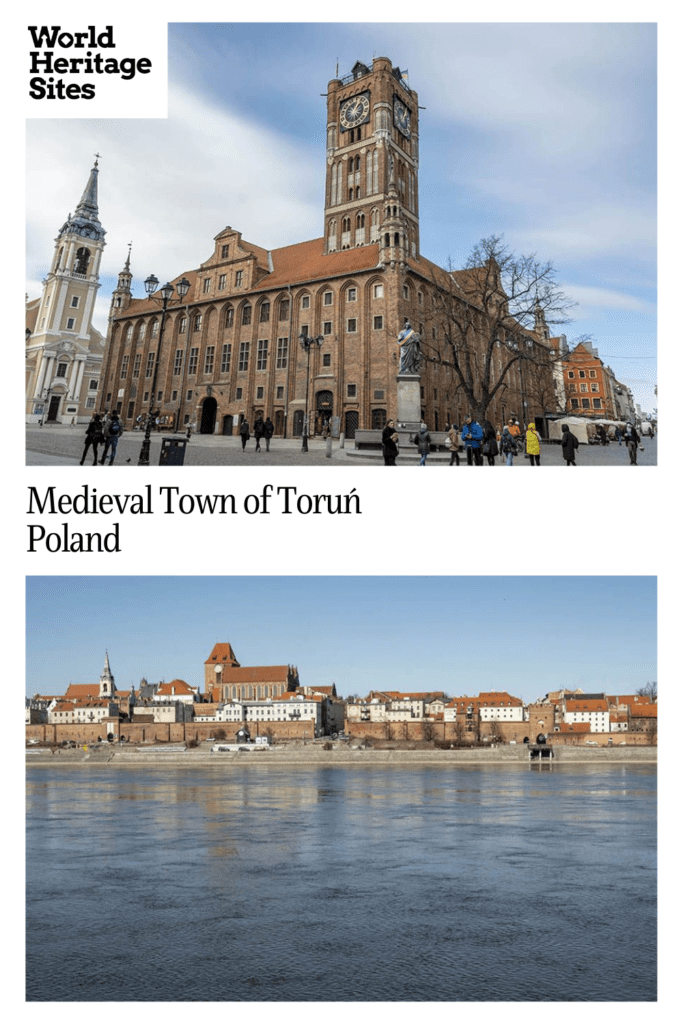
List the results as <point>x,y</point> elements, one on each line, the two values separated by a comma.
<point>172,451</point>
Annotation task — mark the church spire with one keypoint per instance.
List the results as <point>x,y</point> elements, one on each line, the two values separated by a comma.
<point>107,688</point>
<point>86,220</point>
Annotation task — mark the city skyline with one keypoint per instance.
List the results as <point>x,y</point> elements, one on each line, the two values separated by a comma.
<point>527,635</point>
<point>499,153</point>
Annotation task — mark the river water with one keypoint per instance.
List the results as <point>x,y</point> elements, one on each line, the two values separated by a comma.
<point>518,883</point>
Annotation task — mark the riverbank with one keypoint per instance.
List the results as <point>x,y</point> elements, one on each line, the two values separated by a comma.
<point>314,755</point>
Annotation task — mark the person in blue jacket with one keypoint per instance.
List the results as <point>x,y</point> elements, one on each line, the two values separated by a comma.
<point>472,436</point>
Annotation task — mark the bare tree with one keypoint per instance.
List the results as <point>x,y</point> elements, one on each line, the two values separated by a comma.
<point>491,324</point>
<point>495,731</point>
<point>648,690</point>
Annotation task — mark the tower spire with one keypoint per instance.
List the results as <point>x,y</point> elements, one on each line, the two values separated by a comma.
<point>86,220</point>
<point>107,687</point>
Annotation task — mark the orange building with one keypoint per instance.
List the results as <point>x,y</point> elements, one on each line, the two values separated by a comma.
<point>591,388</point>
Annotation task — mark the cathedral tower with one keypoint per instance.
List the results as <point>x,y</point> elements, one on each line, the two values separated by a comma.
<point>64,352</point>
<point>372,156</point>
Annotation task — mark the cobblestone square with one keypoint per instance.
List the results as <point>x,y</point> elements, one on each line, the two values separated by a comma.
<point>63,445</point>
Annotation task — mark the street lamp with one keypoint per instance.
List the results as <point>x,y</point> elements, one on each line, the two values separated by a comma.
<point>307,343</point>
<point>151,285</point>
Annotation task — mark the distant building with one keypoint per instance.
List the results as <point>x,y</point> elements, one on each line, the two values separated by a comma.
<point>225,679</point>
<point>594,711</point>
<point>591,389</point>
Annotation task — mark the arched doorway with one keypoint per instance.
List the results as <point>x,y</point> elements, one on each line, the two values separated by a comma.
<point>227,426</point>
<point>208,416</point>
<point>279,421</point>
<point>323,410</point>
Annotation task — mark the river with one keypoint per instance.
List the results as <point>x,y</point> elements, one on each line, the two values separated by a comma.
<point>230,883</point>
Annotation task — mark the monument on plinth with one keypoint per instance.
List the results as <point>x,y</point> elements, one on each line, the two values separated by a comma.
<point>409,404</point>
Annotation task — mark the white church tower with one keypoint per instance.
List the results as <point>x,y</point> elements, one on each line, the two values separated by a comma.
<point>64,353</point>
<point>107,687</point>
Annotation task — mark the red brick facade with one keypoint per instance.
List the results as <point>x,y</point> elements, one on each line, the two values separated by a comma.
<point>231,351</point>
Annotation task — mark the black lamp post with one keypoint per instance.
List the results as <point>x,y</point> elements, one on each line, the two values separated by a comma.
<point>151,285</point>
<point>306,343</point>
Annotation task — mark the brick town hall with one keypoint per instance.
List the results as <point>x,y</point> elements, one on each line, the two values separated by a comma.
<point>232,348</point>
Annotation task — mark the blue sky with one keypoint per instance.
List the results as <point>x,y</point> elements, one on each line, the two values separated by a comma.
<point>545,133</point>
<point>527,635</point>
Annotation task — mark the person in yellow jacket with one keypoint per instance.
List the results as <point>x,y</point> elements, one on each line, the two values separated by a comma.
<point>533,445</point>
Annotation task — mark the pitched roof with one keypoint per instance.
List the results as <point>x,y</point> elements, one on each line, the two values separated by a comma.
<point>632,699</point>
<point>586,705</point>
<point>307,261</point>
<point>494,698</point>
<point>174,688</point>
<point>255,674</point>
<point>644,711</point>
<point>222,653</point>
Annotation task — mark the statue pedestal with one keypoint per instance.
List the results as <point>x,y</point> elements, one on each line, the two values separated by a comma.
<point>409,405</point>
<point>409,408</point>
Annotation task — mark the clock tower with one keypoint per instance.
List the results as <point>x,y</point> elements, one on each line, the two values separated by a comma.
<point>371,192</point>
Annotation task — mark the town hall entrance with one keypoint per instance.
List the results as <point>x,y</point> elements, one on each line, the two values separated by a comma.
<point>208,416</point>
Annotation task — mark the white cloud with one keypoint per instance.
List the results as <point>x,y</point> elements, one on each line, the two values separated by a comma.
<point>598,299</point>
<point>170,186</point>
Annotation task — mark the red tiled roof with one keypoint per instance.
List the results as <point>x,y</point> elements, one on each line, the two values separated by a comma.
<point>306,261</point>
<point>177,685</point>
<point>146,305</point>
<point>255,674</point>
<point>77,690</point>
<point>631,699</point>
<point>494,698</point>
<point>586,705</point>
<point>575,727</point>
<point>221,653</point>
<point>644,711</point>
<point>74,705</point>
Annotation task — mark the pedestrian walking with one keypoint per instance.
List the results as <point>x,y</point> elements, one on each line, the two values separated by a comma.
<point>508,446</point>
<point>490,445</point>
<point>472,436</point>
<point>602,434</point>
<point>112,432</point>
<point>259,432</point>
<point>93,438</point>
<point>389,444</point>
<point>244,433</point>
<point>268,431</point>
<point>570,443</point>
<point>423,441</point>
<point>533,445</point>
<point>455,443</point>
<point>617,435</point>
<point>632,442</point>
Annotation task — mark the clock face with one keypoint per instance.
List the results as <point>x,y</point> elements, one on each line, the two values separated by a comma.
<point>402,118</point>
<point>354,111</point>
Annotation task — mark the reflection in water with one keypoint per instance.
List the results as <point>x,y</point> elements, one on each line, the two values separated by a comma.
<point>264,884</point>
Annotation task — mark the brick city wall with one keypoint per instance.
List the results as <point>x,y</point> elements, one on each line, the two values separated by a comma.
<point>165,732</point>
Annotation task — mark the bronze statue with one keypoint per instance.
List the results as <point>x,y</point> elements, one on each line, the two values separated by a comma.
<point>411,356</point>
